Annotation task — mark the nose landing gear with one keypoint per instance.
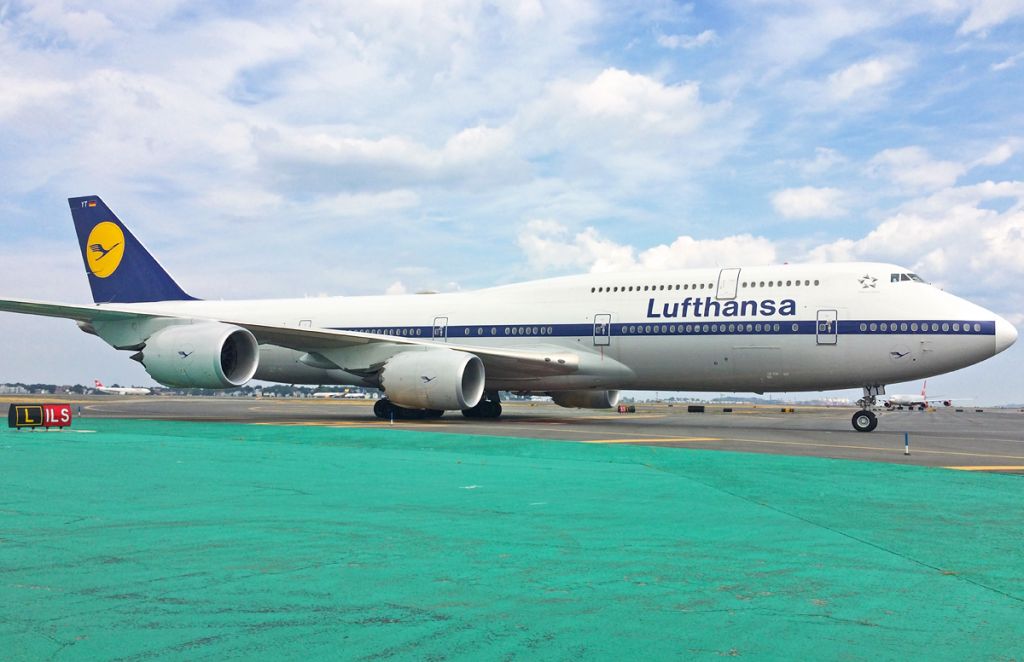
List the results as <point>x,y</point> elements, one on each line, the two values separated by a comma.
<point>865,420</point>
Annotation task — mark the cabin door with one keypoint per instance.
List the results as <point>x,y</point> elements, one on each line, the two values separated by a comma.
<point>828,327</point>
<point>728,281</point>
<point>441,329</point>
<point>602,330</point>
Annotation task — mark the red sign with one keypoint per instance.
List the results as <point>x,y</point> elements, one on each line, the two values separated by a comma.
<point>56,416</point>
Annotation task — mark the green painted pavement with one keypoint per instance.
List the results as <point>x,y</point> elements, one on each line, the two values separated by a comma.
<point>210,541</point>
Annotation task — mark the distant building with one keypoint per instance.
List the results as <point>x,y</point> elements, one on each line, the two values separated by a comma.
<point>7,389</point>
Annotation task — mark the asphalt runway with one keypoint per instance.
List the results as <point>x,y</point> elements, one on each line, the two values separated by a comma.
<point>987,440</point>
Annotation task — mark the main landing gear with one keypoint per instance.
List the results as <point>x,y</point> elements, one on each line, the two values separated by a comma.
<point>865,420</point>
<point>488,407</point>
<point>388,410</point>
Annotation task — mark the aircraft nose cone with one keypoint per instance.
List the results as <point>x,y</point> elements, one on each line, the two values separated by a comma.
<point>1006,334</point>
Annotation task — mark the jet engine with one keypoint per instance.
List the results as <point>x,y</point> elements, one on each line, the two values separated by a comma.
<point>586,399</point>
<point>204,355</point>
<point>433,379</point>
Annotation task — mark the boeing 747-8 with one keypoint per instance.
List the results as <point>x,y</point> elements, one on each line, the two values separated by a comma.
<point>581,339</point>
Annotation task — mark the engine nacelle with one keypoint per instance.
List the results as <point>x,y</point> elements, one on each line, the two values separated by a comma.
<point>203,355</point>
<point>434,379</point>
<point>586,399</point>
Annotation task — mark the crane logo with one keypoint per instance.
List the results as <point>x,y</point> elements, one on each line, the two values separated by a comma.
<point>104,249</point>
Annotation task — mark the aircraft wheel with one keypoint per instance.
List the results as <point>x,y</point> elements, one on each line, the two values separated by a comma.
<point>383,408</point>
<point>864,421</point>
<point>484,409</point>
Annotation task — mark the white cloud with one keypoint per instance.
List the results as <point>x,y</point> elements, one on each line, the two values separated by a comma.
<point>987,14</point>
<point>1008,63</point>
<point>863,77</point>
<point>396,288</point>
<point>913,168</point>
<point>824,159</point>
<point>549,245</point>
<point>809,202</point>
<point>997,155</point>
<point>687,42</point>
<point>629,130</point>
<point>952,237</point>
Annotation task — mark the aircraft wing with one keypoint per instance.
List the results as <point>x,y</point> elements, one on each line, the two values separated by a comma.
<point>355,351</point>
<point>362,352</point>
<point>78,313</point>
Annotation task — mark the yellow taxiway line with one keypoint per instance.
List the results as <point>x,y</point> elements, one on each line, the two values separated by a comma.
<point>642,440</point>
<point>993,467</point>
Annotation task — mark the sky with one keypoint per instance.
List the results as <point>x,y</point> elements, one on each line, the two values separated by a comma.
<point>302,149</point>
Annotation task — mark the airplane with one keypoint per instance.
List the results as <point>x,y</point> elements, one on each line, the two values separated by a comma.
<point>347,395</point>
<point>120,390</point>
<point>922,401</point>
<point>579,339</point>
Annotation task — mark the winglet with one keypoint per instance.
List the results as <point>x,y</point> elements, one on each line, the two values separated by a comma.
<point>120,269</point>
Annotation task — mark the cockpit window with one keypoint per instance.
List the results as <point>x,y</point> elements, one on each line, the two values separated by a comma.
<point>897,278</point>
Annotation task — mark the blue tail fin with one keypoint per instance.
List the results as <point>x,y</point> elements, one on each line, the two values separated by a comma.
<point>120,269</point>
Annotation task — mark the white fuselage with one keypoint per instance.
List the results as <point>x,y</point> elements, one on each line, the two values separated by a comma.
<point>774,328</point>
<point>118,390</point>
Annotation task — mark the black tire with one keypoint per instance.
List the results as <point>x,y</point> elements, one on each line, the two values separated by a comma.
<point>864,421</point>
<point>484,409</point>
<point>382,408</point>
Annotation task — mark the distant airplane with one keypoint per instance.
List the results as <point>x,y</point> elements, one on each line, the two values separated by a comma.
<point>922,401</point>
<point>120,390</point>
<point>347,395</point>
<point>579,339</point>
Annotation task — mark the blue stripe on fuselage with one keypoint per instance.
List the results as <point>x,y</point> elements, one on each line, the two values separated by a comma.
<point>703,328</point>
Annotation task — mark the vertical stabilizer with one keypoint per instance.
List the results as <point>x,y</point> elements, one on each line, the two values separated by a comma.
<point>119,267</point>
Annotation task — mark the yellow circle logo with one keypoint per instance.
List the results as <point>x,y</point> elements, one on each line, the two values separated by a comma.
<point>105,249</point>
